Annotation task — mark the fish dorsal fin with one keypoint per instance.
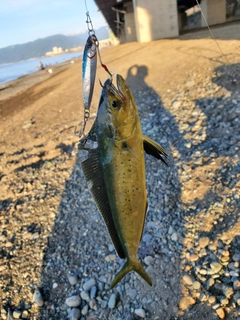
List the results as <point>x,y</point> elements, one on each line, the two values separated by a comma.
<point>154,149</point>
<point>93,174</point>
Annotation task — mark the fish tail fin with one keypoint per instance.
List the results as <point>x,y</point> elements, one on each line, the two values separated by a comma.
<point>129,266</point>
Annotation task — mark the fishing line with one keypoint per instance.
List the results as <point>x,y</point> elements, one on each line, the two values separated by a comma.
<point>235,73</point>
<point>91,30</point>
<point>212,35</point>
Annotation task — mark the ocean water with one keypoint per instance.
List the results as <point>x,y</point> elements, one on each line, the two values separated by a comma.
<point>12,71</point>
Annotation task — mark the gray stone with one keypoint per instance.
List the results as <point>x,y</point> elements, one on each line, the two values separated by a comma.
<point>111,247</point>
<point>38,299</point>
<point>236,257</point>
<point>75,314</point>
<point>147,237</point>
<point>148,260</point>
<point>140,312</point>
<point>151,225</point>
<point>55,285</point>
<point>174,237</point>
<point>73,279</point>
<point>85,296</point>
<point>110,257</point>
<point>112,301</point>
<point>89,284</point>
<point>93,292</point>
<point>93,304</point>
<point>73,301</point>
<point>85,310</point>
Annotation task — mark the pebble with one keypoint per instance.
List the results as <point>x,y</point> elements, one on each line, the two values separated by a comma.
<point>176,104</point>
<point>112,301</point>
<point>89,284</point>
<point>110,257</point>
<point>236,284</point>
<point>216,267</point>
<point>73,279</point>
<point>236,257</point>
<point>55,285</point>
<point>174,237</point>
<point>111,247</point>
<point>203,242</point>
<point>93,304</point>
<point>73,301</point>
<point>187,279</point>
<point>194,257</point>
<point>140,313</point>
<point>85,310</point>
<point>227,291</point>
<point>85,296</point>
<point>186,302</point>
<point>38,299</point>
<point>210,283</point>
<point>148,260</point>
<point>25,314</point>
<point>93,292</point>
<point>212,299</point>
<point>221,313</point>
<point>17,314</point>
<point>224,302</point>
<point>75,314</point>
<point>196,285</point>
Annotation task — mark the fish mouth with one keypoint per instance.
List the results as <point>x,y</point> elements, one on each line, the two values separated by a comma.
<point>109,86</point>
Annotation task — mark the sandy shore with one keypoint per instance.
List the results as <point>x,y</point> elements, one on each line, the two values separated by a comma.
<point>187,101</point>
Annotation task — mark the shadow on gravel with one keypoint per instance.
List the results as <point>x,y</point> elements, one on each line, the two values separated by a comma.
<point>195,199</point>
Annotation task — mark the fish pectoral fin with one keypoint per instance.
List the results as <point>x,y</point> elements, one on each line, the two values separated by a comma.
<point>93,174</point>
<point>154,149</point>
<point>131,265</point>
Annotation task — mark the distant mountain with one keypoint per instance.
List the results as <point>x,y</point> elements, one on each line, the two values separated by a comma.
<point>39,47</point>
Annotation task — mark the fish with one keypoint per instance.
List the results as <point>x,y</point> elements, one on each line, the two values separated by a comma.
<point>89,67</point>
<point>115,171</point>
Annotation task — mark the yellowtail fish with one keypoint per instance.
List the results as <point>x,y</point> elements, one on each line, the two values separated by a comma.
<point>115,171</point>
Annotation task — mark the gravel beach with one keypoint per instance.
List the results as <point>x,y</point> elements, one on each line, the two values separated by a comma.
<point>56,258</point>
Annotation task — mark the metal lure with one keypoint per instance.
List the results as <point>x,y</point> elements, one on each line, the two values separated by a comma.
<point>89,66</point>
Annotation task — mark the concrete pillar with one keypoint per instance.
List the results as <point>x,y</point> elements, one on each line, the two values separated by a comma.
<point>130,30</point>
<point>214,11</point>
<point>155,19</point>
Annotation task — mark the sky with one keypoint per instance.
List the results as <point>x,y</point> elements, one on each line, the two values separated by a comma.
<point>27,20</point>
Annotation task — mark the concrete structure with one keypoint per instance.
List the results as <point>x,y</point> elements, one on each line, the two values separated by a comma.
<point>155,19</point>
<point>147,20</point>
<point>214,11</point>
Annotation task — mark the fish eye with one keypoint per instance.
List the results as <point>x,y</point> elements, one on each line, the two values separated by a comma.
<point>114,104</point>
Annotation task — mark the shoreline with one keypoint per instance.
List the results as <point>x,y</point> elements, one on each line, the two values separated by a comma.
<point>16,86</point>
